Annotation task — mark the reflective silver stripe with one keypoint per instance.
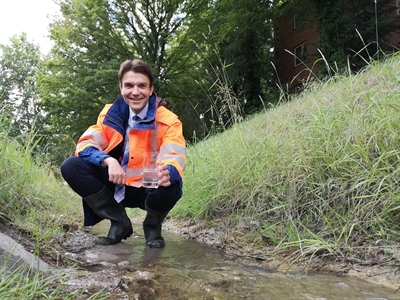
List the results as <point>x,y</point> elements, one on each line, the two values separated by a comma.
<point>138,183</point>
<point>153,138</point>
<point>90,143</point>
<point>97,138</point>
<point>172,148</point>
<point>179,159</point>
<point>134,172</point>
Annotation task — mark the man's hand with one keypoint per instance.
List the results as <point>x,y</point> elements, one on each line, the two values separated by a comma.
<point>163,176</point>
<point>115,172</point>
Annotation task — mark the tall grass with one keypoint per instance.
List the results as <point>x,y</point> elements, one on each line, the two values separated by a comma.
<point>30,195</point>
<point>33,200</point>
<point>27,283</point>
<point>225,108</point>
<point>313,173</point>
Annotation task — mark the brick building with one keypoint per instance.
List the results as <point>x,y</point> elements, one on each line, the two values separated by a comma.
<point>298,44</point>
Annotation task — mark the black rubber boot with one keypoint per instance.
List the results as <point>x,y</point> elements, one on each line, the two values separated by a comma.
<point>105,206</point>
<point>152,226</point>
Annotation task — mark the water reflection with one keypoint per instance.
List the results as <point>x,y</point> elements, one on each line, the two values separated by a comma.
<point>186,269</point>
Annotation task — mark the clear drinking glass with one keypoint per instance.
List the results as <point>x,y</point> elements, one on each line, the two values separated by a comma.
<point>151,160</point>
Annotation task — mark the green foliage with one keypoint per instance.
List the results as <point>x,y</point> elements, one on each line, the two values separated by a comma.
<point>229,40</point>
<point>18,93</point>
<point>92,38</point>
<point>80,75</point>
<point>244,32</point>
<point>28,190</point>
<point>225,109</point>
<point>32,199</point>
<point>25,282</point>
<point>19,96</point>
<point>316,172</point>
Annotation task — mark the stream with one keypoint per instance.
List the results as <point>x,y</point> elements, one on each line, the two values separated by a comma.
<point>187,269</point>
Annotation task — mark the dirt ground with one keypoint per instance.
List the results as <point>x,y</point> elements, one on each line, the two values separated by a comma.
<point>373,264</point>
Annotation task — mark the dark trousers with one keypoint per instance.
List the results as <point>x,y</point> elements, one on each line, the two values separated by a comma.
<point>86,179</point>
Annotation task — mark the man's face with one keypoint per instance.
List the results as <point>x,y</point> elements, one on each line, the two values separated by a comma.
<point>136,90</point>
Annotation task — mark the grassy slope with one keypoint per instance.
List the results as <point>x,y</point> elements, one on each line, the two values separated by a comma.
<point>42,207</point>
<point>320,171</point>
<point>31,197</point>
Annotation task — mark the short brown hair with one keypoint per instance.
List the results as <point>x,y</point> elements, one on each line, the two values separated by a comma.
<point>136,66</point>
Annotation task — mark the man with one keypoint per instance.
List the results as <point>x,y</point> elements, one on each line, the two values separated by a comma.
<point>132,125</point>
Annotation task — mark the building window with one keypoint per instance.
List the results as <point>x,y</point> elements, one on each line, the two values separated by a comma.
<point>299,54</point>
<point>398,7</point>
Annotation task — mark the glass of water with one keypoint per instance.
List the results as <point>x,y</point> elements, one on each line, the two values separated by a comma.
<point>151,160</point>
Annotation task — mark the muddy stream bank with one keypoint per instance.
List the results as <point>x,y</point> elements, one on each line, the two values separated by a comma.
<point>188,269</point>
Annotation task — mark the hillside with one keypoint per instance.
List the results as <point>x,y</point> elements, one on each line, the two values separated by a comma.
<point>317,176</point>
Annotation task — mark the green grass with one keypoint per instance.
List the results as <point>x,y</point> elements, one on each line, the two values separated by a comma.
<point>310,174</point>
<point>27,283</point>
<point>30,195</point>
<point>35,201</point>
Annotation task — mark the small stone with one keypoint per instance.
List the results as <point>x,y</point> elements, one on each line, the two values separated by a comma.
<point>342,285</point>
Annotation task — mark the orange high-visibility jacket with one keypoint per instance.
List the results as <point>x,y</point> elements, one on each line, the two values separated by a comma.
<point>161,130</point>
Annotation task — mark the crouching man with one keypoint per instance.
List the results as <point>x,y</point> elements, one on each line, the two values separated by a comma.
<point>106,170</point>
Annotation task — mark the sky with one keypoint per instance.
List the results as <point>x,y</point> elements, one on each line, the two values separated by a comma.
<point>30,16</point>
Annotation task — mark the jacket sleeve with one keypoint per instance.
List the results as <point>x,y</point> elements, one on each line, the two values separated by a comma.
<point>92,143</point>
<point>174,176</point>
<point>93,156</point>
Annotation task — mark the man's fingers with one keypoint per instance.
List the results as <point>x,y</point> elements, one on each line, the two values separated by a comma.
<point>117,179</point>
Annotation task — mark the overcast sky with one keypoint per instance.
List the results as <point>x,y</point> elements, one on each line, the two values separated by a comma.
<point>30,16</point>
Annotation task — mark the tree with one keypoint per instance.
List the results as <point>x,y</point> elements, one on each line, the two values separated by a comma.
<point>92,38</point>
<point>79,76</point>
<point>232,39</point>
<point>18,93</point>
<point>245,34</point>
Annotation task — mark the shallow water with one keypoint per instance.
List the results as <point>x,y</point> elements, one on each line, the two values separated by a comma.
<point>187,269</point>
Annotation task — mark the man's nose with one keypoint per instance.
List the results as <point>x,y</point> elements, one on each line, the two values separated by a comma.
<point>135,90</point>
